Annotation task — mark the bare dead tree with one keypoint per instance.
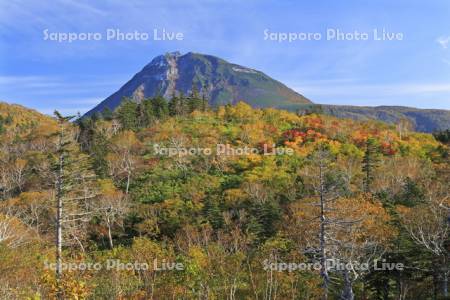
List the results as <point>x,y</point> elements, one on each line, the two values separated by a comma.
<point>325,191</point>
<point>112,208</point>
<point>428,225</point>
<point>74,191</point>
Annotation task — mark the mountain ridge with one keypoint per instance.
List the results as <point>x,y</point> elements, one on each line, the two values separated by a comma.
<point>220,81</point>
<point>422,120</point>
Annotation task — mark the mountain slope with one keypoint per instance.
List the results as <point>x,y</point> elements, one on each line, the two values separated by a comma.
<point>15,118</point>
<point>223,82</point>
<point>220,81</point>
<point>422,120</point>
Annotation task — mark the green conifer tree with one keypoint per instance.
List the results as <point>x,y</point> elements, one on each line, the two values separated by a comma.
<point>370,162</point>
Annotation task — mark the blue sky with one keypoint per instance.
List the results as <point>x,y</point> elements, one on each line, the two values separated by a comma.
<point>71,77</point>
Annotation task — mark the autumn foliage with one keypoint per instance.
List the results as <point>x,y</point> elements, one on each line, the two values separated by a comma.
<point>371,191</point>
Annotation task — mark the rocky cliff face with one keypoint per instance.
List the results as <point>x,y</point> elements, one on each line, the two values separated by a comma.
<point>221,82</point>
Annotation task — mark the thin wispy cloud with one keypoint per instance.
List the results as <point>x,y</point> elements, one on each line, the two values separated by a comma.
<point>8,80</point>
<point>34,70</point>
<point>443,41</point>
<point>25,82</point>
<point>47,93</point>
<point>85,6</point>
<point>423,95</point>
<point>342,88</point>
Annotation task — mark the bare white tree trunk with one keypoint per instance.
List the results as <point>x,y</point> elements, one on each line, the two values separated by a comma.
<point>108,223</point>
<point>445,272</point>
<point>347,293</point>
<point>322,245</point>
<point>128,181</point>
<point>59,215</point>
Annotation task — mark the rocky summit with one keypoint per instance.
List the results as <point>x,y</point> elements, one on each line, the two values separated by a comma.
<point>219,81</point>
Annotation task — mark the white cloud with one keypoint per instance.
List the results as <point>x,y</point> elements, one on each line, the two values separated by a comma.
<point>64,84</point>
<point>422,95</point>
<point>45,93</point>
<point>84,7</point>
<point>443,41</point>
<point>27,82</point>
<point>344,87</point>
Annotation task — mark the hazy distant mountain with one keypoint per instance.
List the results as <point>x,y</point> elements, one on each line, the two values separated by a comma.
<point>220,81</point>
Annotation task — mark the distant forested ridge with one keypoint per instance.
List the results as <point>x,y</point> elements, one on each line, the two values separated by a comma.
<point>422,120</point>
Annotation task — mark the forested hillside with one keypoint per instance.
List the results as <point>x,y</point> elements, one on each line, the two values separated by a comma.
<point>224,203</point>
<point>422,120</point>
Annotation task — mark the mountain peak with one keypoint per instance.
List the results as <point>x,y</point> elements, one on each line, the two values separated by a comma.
<point>173,54</point>
<point>220,81</point>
